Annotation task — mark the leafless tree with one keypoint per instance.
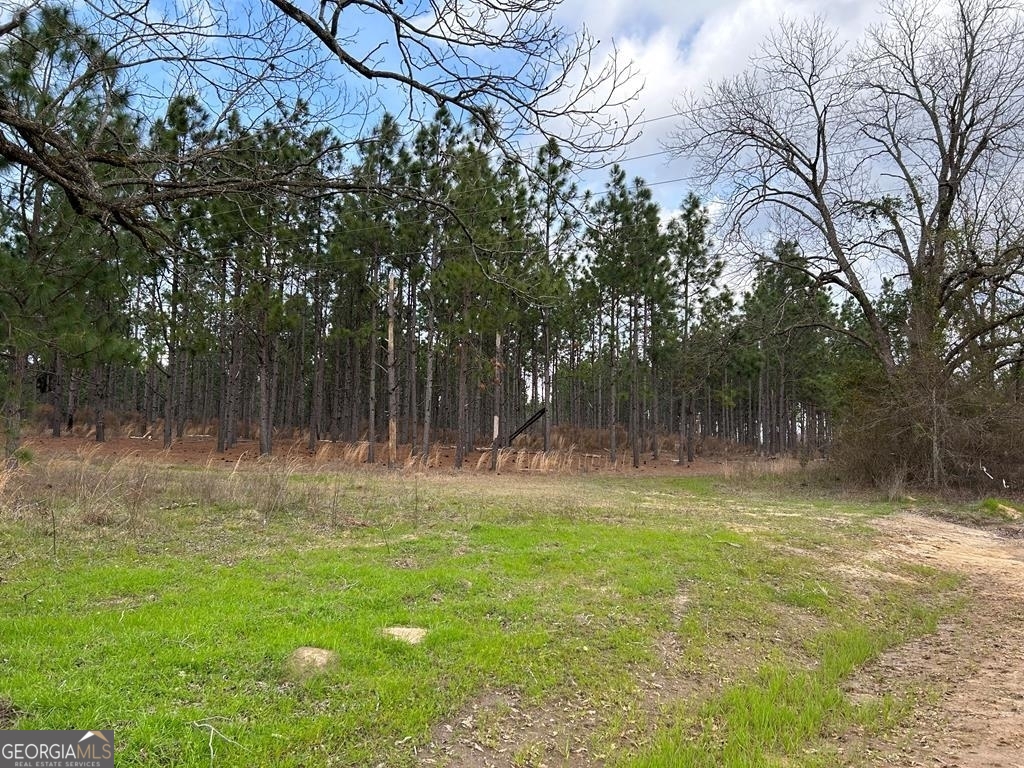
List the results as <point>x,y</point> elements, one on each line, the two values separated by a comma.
<point>898,157</point>
<point>507,64</point>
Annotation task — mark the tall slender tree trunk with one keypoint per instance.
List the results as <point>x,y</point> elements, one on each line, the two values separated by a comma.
<point>13,401</point>
<point>412,380</point>
<point>100,389</point>
<point>170,381</point>
<point>206,411</point>
<point>72,401</point>
<point>762,411</point>
<point>336,393</point>
<point>224,405</point>
<point>392,379</point>
<point>781,416</point>
<point>234,407</point>
<point>634,387</point>
<point>371,452</point>
<point>57,395</point>
<point>316,406</point>
<point>613,401</point>
<point>267,374</point>
<point>751,436</point>
<point>496,441</point>
<point>184,368</point>
<point>681,443</point>
<point>356,390</point>
<point>655,406</point>
<point>462,416</point>
<point>428,383</point>
<point>705,421</point>
<point>691,429</point>
<point>173,333</point>
<point>549,404</point>
<point>462,413</point>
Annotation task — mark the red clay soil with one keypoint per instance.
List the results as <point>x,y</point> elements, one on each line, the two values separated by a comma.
<point>200,450</point>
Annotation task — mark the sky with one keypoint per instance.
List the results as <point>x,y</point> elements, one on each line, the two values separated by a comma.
<point>679,46</point>
<point>675,46</point>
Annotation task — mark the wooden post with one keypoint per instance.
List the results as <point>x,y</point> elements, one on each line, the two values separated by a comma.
<point>497,401</point>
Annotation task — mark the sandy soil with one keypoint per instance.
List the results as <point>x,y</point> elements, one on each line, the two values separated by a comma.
<point>970,671</point>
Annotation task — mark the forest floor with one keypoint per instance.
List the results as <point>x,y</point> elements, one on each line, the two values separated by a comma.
<point>200,450</point>
<point>722,614</point>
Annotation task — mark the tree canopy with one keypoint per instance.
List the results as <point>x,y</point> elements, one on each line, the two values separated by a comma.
<point>896,163</point>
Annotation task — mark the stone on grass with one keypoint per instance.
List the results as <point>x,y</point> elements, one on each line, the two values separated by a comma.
<point>411,635</point>
<point>306,661</point>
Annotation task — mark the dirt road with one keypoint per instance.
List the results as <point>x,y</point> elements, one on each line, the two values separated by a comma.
<point>975,664</point>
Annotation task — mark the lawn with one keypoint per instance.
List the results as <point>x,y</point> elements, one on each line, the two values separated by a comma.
<point>595,620</point>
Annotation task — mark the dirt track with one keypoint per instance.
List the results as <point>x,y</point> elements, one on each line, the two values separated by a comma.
<point>975,664</point>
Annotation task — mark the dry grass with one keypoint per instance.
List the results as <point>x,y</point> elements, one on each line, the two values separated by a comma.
<point>565,440</point>
<point>759,466</point>
<point>88,489</point>
<point>7,473</point>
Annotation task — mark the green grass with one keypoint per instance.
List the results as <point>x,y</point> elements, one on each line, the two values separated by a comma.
<point>171,622</point>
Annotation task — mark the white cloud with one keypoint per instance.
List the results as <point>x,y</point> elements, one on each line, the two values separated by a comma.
<point>679,47</point>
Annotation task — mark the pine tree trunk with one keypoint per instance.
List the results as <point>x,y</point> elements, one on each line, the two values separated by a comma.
<point>762,412</point>
<point>613,392</point>
<point>634,390</point>
<point>72,401</point>
<point>355,391</point>
<point>336,399</point>
<point>149,397</point>
<point>496,434</point>
<point>235,384</point>
<point>99,390</point>
<point>392,379</point>
<point>781,416</point>
<point>655,448</point>
<point>411,404</point>
<point>691,429</point>
<point>206,411</point>
<point>184,367</point>
<point>267,363</point>
<point>749,436</point>
<point>57,396</point>
<point>225,403</point>
<point>705,421</point>
<point>428,384</point>
<point>681,443</point>
<point>171,389</point>
<point>13,402</point>
<point>463,404</point>
<point>549,404</point>
<point>316,407</point>
<point>371,452</point>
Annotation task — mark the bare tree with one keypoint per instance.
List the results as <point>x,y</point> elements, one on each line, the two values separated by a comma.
<point>505,63</point>
<point>896,158</point>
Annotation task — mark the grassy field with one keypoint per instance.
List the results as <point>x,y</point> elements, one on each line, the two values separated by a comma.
<point>598,620</point>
